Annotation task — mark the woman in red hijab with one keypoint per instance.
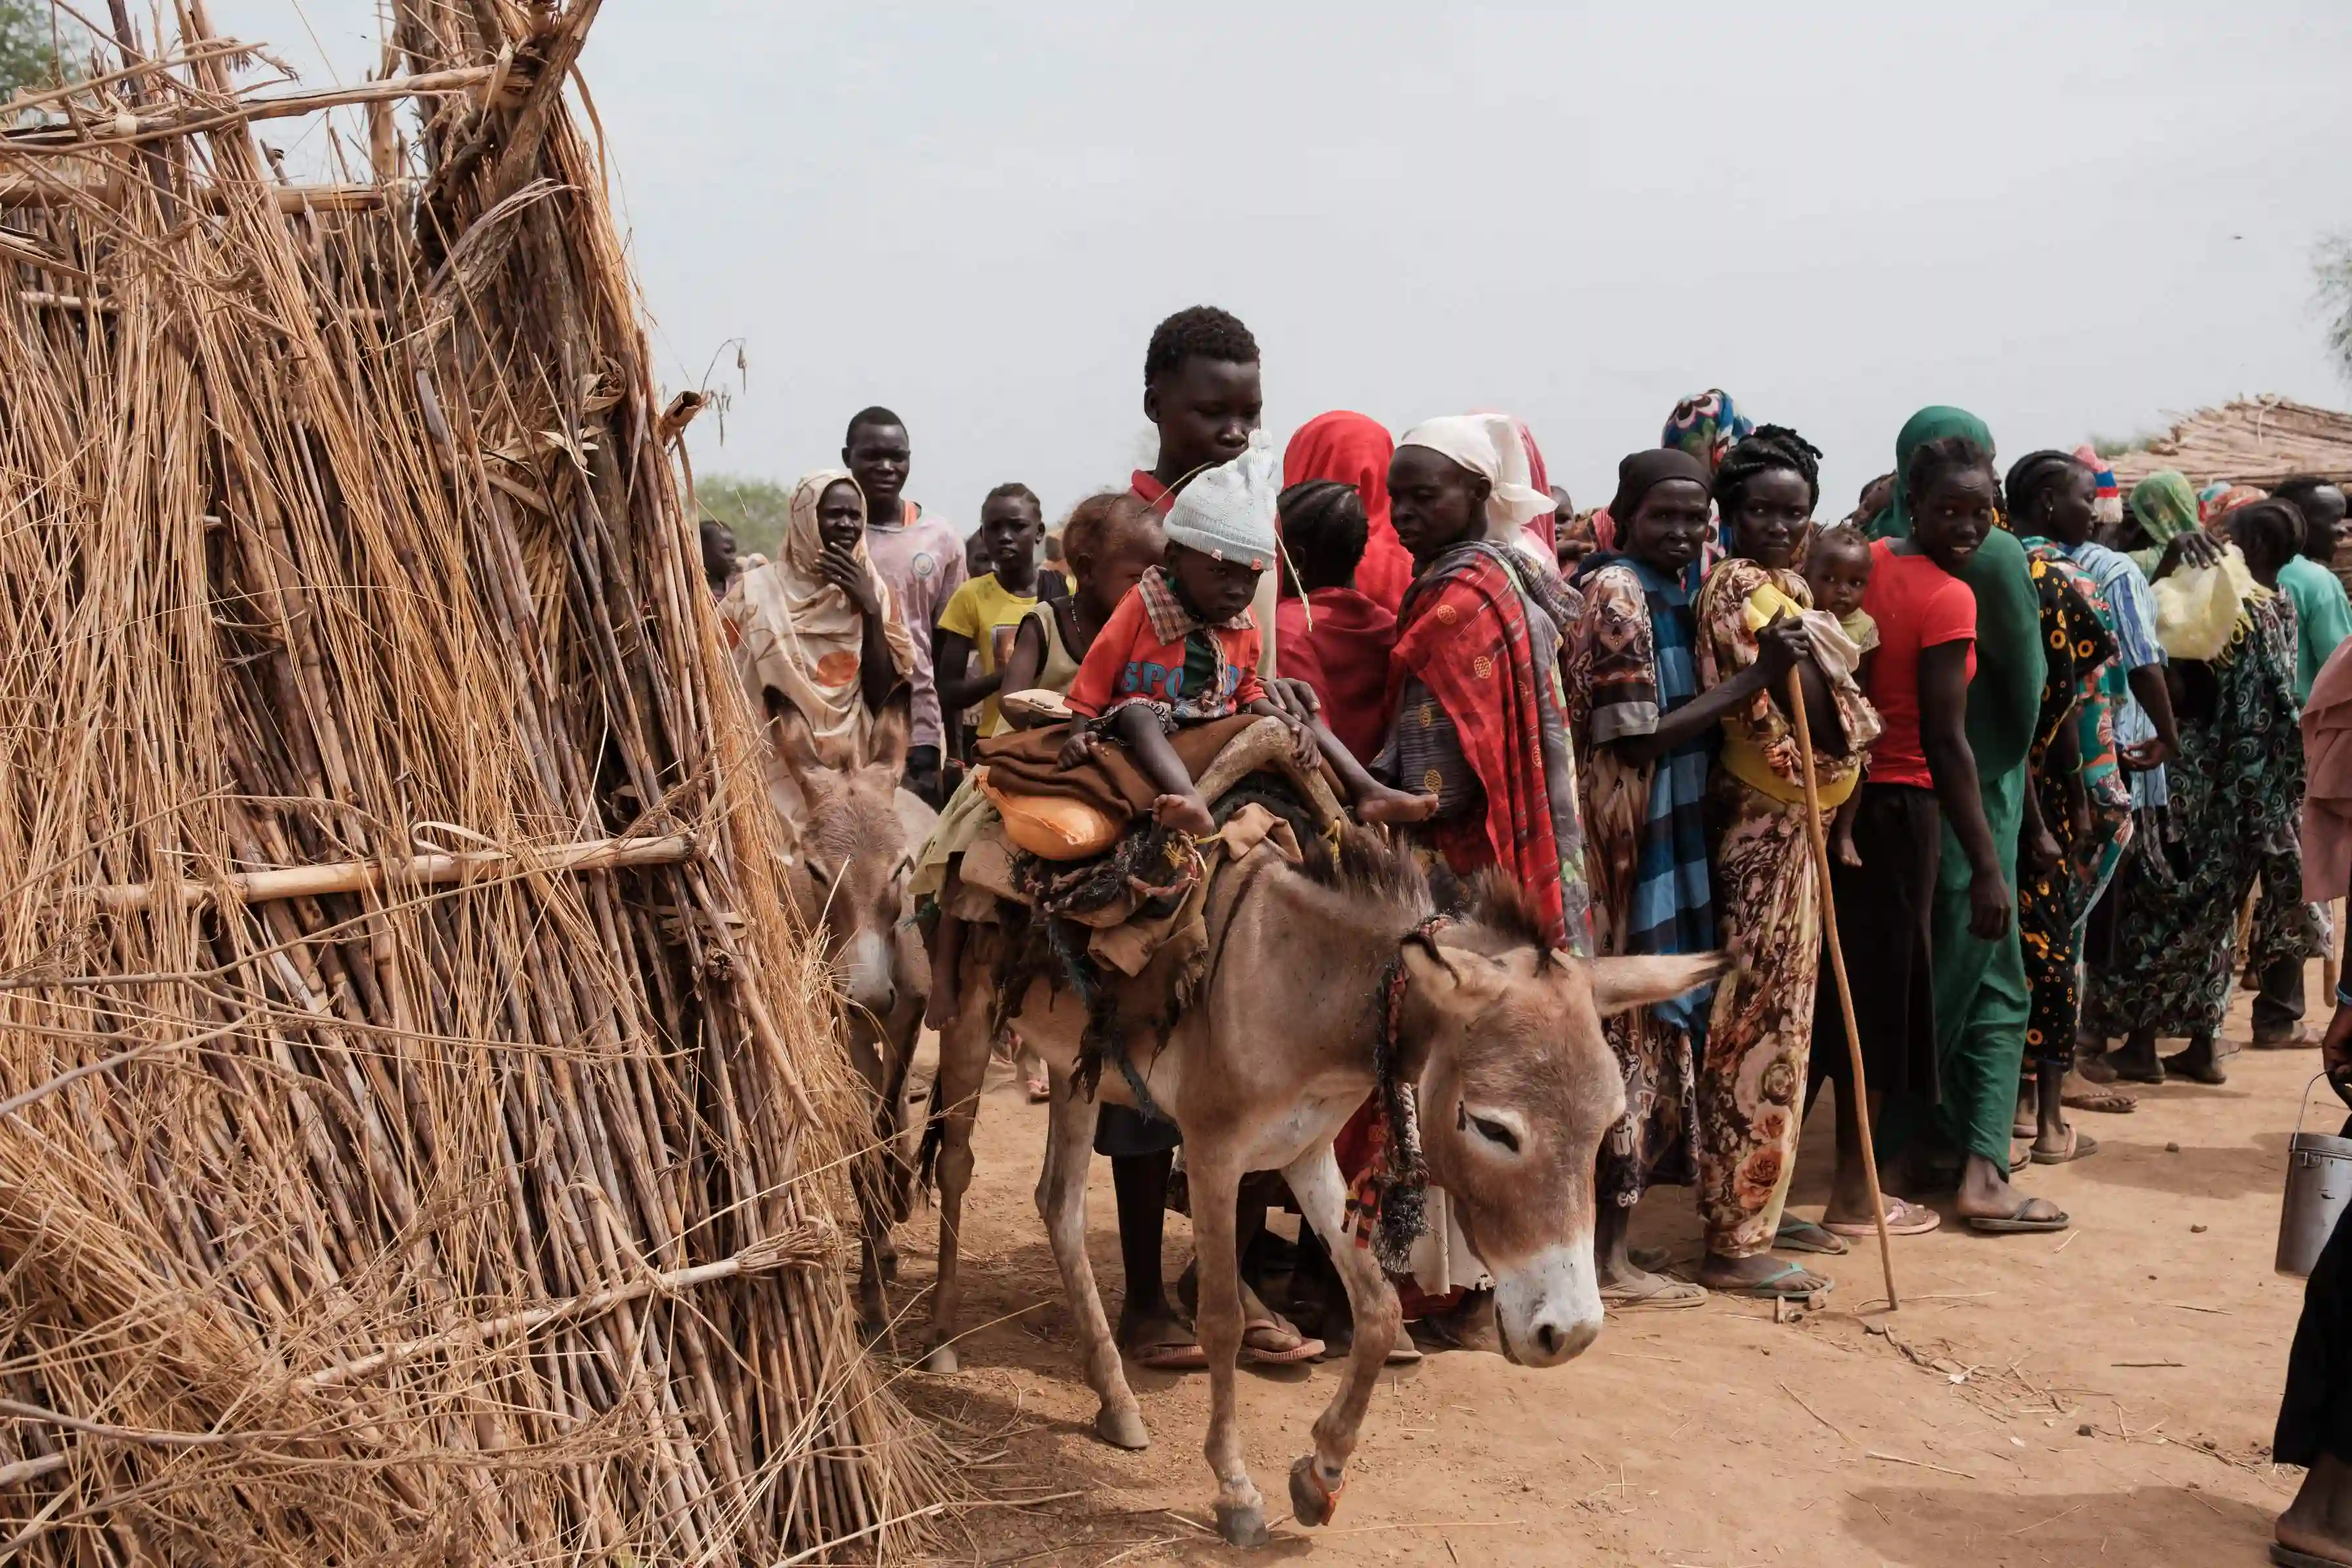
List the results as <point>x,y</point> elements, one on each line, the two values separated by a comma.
<point>1355,451</point>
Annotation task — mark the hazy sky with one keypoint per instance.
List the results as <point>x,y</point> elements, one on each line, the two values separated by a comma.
<point>2069,219</point>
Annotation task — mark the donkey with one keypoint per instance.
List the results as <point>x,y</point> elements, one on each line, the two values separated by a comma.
<point>851,855</point>
<point>1515,1088</point>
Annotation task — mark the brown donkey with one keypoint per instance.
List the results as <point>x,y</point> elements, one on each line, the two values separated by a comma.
<point>1312,977</point>
<point>851,856</point>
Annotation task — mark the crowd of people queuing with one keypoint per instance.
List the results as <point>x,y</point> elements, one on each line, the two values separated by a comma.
<point>2052,729</point>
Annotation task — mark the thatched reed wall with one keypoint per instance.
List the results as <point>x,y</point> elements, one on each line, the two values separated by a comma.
<point>419,1132</point>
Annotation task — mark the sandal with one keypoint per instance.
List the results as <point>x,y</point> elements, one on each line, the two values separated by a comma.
<point>1776,1286</point>
<point>1040,1091</point>
<point>2017,1224</point>
<point>2080,1145</point>
<point>1803,1236</point>
<point>2296,1039</point>
<point>1270,1340</point>
<point>1903,1219</point>
<point>1170,1353</point>
<point>2107,1104</point>
<point>1660,1295</point>
<point>2288,1557</point>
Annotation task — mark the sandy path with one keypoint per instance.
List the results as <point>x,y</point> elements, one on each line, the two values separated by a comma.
<point>2008,1415</point>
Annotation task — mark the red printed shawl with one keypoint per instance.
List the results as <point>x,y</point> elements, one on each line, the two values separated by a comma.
<point>1465,637</point>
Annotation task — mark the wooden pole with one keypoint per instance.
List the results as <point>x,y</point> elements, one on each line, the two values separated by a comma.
<point>1819,841</point>
<point>422,872</point>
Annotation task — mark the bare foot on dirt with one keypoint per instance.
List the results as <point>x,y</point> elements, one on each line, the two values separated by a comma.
<point>1385,805</point>
<point>1990,1203</point>
<point>1185,814</point>
<point>1763,1275</point>
<point>2318,1523</point>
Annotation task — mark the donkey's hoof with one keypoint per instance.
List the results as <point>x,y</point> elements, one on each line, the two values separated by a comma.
<point>1309,1503</point>
<point>1121,1428</point>
<point>942,1359</point>
<point>1244,1525</point>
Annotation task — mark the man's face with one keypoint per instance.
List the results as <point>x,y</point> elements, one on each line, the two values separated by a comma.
<point>878,456</point>
<point>1205,409</point>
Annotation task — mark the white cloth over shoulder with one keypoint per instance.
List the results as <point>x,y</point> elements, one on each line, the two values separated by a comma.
<point>1487,444</point>
<point>1228,510</point>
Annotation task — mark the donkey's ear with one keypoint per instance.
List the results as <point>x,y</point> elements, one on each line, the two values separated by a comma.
<point>886,743</point>
<point>1619,984</point>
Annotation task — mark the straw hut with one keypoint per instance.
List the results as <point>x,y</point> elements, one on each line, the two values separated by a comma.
<point>2253,440</point>
<point>419,1132</point>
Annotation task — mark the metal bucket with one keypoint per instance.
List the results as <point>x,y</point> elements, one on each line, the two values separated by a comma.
<point>2318,1191</point>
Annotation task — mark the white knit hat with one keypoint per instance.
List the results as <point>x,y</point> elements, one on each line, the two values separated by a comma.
<point>1228,511</point>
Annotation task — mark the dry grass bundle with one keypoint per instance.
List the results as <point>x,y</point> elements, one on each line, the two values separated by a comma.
<point>2252,441</point>
<point>418,1131</point>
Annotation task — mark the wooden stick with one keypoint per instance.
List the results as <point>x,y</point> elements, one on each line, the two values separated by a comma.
<point>424,871</point>
<point>184,122</point>
<point>2330,975</point>
<point>760,1257</point>
<point>1819,841</point>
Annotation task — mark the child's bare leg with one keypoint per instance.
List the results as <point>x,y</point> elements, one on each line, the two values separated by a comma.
<point>1180,804</point>
<point>1841,848</point>
<point>1373,801</point>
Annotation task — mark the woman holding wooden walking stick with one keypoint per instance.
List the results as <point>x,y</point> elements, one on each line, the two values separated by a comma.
<point>1752,1068</point>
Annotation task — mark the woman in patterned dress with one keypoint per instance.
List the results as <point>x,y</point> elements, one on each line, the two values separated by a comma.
<point>1643,734</point>
<point>2236,793</point>
<point>1752,1067</point>
<point>2085,804</point>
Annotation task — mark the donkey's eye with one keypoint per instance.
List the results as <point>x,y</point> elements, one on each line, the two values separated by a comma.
<point>1494,1132</point>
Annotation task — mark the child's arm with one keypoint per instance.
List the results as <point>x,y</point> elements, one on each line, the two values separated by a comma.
<point>1023,664</point>
<point>959,685</point>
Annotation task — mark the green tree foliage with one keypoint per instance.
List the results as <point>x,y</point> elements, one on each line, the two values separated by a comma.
<point>2332,268</point>
<point>754,507</point>
<point>28,56</point>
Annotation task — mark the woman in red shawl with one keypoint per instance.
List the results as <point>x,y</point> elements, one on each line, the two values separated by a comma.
<point>1477,715</point>
<point>1355,451</point>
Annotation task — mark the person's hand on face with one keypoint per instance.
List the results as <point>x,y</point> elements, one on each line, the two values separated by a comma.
<point>840,522</point>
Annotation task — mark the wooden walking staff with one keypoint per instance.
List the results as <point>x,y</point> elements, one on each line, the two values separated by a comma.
<point>1846,992</point>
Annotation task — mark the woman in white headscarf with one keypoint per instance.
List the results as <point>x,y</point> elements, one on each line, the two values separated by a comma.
<point>816,630</point>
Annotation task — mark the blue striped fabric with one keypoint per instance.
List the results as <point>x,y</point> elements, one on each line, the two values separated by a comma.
<point>1674,899</point>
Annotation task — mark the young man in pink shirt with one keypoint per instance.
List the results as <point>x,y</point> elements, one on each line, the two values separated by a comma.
<point>920,556</point>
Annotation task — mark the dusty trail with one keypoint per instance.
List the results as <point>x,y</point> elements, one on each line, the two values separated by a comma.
<point>2103,1395</point>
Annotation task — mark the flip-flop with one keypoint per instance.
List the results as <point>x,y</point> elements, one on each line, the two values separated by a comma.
<point>1665,1296</point>
<point>1171,1355</point>
<point>1768,1288</point>
<point>1270,1341</point>
<point>2012,1225</point>
<point>2100,1104</point>
<point>2295,1039</point>
<point>2288,1557</point>
<point>2080,1145</point>
<point>1803,1236</point>
<point>1907,1219</point>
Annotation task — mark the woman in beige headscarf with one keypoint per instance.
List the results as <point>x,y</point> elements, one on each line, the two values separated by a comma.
<point>816,630</point>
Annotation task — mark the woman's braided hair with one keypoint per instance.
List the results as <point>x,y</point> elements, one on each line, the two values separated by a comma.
<point>2032,477</point>
<point>1768,447</point>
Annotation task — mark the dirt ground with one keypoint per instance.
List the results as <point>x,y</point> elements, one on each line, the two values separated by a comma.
<point>2101,1395</point>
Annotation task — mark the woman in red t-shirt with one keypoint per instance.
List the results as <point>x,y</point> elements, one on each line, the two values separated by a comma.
<point>1920,770</point>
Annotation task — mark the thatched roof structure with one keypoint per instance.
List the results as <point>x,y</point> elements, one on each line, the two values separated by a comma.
<point>2254,440</point>
<point>420,1130</point>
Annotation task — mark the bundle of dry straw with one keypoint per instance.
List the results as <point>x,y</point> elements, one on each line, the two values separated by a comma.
<point>417,1130</point>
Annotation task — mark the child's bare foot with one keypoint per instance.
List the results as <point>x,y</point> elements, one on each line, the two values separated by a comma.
<point>940,1009</point>
<point>1184,813</point>
<point>1846,854</point>
<point>1384,804</point>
